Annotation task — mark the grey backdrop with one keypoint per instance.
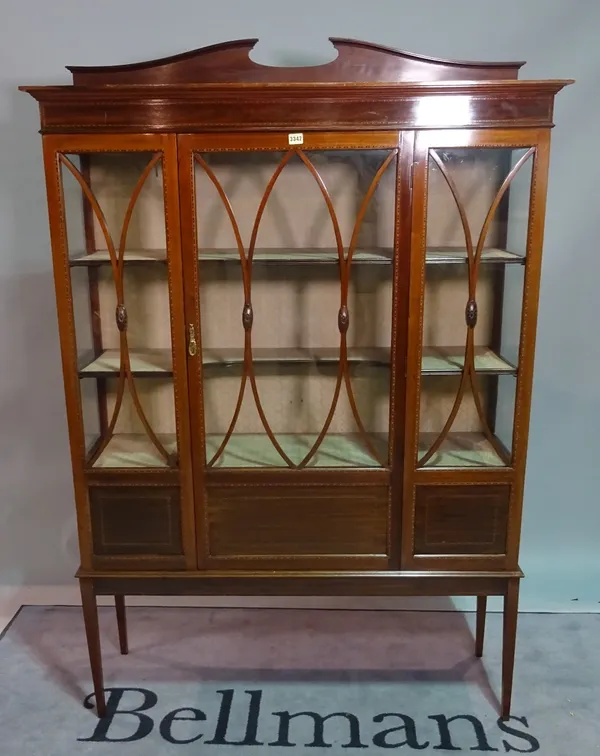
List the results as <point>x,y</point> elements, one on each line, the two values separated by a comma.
<point>558,38</point>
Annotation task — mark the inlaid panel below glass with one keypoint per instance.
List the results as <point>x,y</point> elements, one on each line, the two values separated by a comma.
<point>295,271</point>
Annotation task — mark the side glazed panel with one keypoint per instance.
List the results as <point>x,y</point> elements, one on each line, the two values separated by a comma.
<point>478,210</point>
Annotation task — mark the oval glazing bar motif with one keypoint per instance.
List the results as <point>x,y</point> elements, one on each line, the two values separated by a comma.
<point>344,261</point>
<point>117,262</point>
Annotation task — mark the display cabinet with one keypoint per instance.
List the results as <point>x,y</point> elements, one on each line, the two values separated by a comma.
<point>297,312</point>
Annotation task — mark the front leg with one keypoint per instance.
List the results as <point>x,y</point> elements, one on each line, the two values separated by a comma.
<point>92,632</point>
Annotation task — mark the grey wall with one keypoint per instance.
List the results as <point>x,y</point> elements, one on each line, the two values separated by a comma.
<point>558,38</point>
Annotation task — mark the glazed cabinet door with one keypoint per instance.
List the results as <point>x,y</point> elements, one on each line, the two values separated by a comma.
<point>289,282</point>
<point>476,252</point>
<point>114,214</point>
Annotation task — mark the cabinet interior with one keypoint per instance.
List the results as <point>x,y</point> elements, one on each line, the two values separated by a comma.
<point>295,295</point>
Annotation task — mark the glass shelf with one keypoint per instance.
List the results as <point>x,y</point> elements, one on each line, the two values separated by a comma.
<point>131,257</point>
<point>158,362</point>
<point>458,255</point>
<point>256,450</point>
<point>451,360</point>
<point>298,356</point>
<point>300,255</point>
<point>436,360</point>
<point>143,362</point>
<point>434,255</point>
<point>135,450</point>
<point>460,450</point>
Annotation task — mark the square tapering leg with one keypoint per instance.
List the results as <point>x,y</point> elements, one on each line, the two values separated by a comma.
<point>92,632</point>
<point>122,624</point>
<point>480,625</point>
<point>509,639</point>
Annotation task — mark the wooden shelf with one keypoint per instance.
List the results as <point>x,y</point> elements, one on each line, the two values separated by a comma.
<point>460,450</point>
<point>144,362</point>
<point>451,360</point>
<point>302,256</point>
<point>256,450</point>
<point>135,450</point>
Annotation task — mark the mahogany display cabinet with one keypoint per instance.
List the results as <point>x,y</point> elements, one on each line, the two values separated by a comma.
<point>297,312</point>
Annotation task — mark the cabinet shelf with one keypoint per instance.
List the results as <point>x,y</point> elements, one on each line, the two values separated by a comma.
<point>296,356</point>
<point>132,257</point>
<point>301,256</point>
<point>460,450</point>
<point>144,362</point>
<point>158,362</point>
<point>336,450</point>
<point>450,361</point>
<point>458,255</point>
<point>135,450</point>
<point>304,255</point>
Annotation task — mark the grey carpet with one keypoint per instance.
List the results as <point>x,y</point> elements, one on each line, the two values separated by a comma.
<point>242,674</point>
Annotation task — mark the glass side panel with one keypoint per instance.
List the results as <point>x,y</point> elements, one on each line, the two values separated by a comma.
<point>295,271</point>
<point>477,225</point>
<point>115,224</point>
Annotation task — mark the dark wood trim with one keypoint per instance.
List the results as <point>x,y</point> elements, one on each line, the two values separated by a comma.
<point>121,614</point>
<point>92,631</point>
<point>68,346</point>
<point>402,265</point>
<point>179,345</point>
<point>308,583</point>
<point>306,477</point>
<point>509,639</point>
<point>480,625</point>
<point>119,564</point>
<point>529,311</point>
<point>215,108</point>
<point>191,305</point>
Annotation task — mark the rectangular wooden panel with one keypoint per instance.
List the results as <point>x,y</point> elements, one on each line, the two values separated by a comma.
<point>128,521</point>
<point>461,519</point>
<point>297,521</point>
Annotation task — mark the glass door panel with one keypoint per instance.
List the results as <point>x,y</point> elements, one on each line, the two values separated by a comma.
<point>295,259</point>
<point>476,251</point>
<point>115,222</point>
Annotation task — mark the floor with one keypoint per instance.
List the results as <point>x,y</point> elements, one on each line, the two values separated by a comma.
<point>282,681</point>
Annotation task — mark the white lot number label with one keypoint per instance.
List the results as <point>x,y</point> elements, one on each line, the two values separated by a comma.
<point>295,138</point>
